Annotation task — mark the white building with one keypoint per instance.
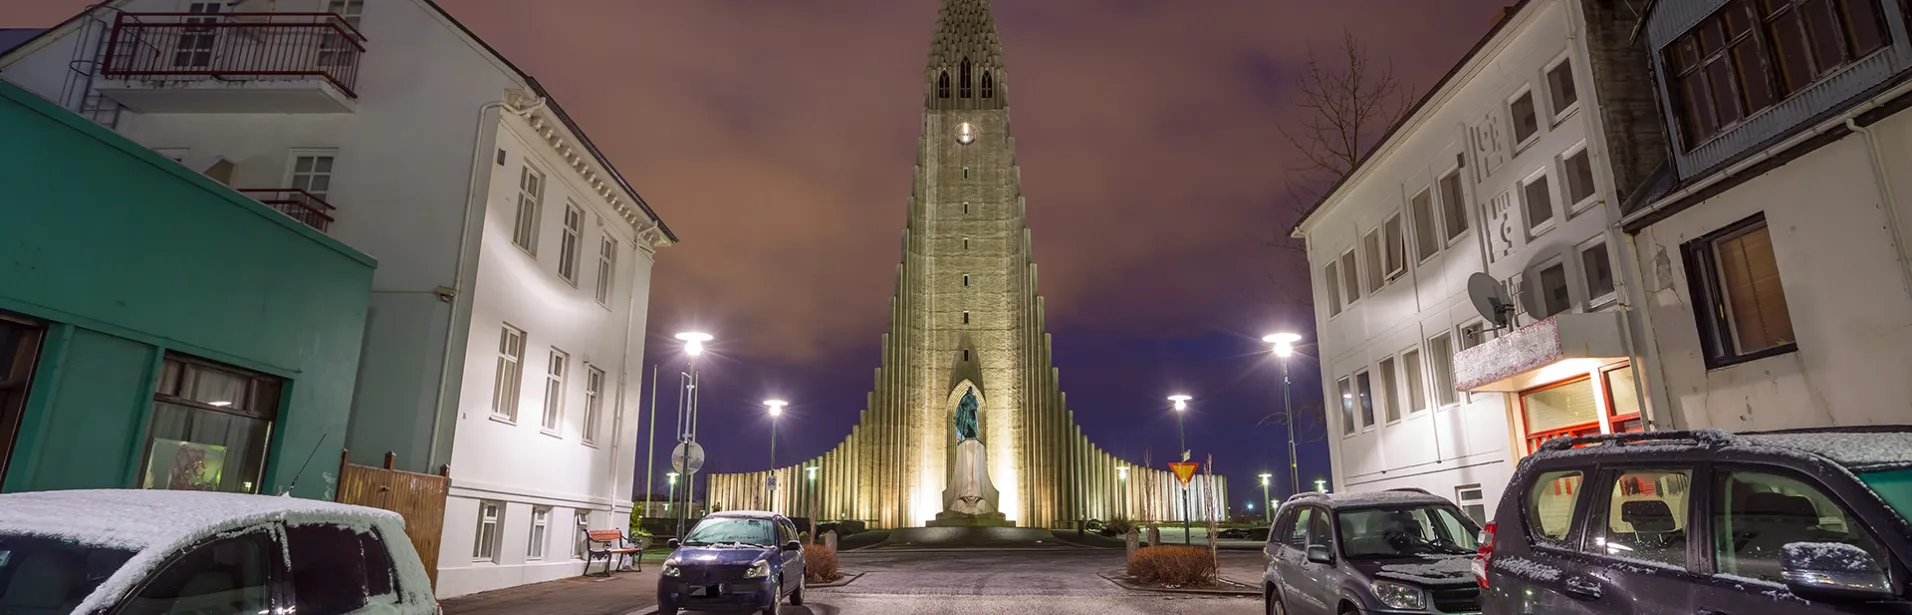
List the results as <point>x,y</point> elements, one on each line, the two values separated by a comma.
<point>1510,166</point>
<point>508,310</point>
<point>1773,247</point>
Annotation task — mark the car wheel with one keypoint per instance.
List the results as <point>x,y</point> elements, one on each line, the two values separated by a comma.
<point>666,610</point>
<point>1273,604</point>
<point>776,601</point>
<point>796,596</point>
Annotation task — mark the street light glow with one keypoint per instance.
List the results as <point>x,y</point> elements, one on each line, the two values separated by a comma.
<point>1284,343</point>
<point>694,342</point>
<point>1264,477</point>
<point>1181,402</point>
<point>672,476</point>
<point>776,406</point>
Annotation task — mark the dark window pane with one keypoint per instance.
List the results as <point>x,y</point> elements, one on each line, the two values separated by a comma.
<point>328,569</point>
<point>1749,64</point>
<point>1599,271</point>
<point>1865,29</point>
<point>227,576</point>
<point>380,572</point>
<point>1539,202</point>
<point>1712,37</point>
<point>1526,119</point>
<point>1696,109</point>
<point>1789,45</point>
<point>1560,86</point>
<point>1739,18</point>
<point>1453,205</point>
<point>1719,74</point>
<point>1579,169</point>
<point>1685,55</point>
<point>1774,6</point>
<point>1828,46</point>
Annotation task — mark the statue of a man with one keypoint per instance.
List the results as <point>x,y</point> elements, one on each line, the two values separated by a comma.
<point>969,491</point>
<point>966,416</point>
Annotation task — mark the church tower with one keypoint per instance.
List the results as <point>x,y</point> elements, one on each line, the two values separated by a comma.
<point>966,317</point>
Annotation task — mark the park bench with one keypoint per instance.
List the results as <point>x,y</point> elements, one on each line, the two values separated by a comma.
<point>609,545</point>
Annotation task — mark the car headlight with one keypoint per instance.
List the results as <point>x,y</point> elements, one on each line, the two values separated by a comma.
<point>671,570</point>
<point>758,570</point>
<point>1398,596</point>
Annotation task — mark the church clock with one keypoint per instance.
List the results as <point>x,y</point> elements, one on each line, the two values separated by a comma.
<point>965,133</point>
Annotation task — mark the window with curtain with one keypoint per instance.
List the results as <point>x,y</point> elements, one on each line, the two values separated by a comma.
<point>1737,294</point>
<point>210,427</point>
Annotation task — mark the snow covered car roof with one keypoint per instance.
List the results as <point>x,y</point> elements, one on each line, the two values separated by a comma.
<point>743,514</point>
<point>1858,448</point>
<point>1365,498</point>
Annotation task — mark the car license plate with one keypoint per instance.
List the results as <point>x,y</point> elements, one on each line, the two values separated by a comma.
<point>703,591</point>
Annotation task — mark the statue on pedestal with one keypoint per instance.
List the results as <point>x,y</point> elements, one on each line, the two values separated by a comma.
<point>969,498</point>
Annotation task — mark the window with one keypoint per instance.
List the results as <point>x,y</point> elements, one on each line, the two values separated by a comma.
<point>964,85</point>
<point>335,48</point>
<point>1472,501</point>
<point>501,157</point>
<point>1347,407</point>
<point>1646,516</point>
<point>1372,245</point>
<point>490,521</point>
<point>210,428</point>
<point>530,206</point>
<point>1749,55</point>
<point>1737,294</point>
<point>569,245</point>
<point>19,351</point>
<point>540,521</point>
<point>942,85</point>
<point>312,173</point>
<point>1755,514</point>
<point>607,269</point>
<point>1416,384</point>
<point>554,389</point>
<point>1579,177</point>
<point>1390,399</point>
<point>1560,87</point>
<point>334,568</point>
<point>1550,505</point>
<point>965,243</point>
<point>1599,273</point>
<point>1453,205</point>
<point>1539,204</point>
<point>593,402</point>
<point>1296,535</point>
<point>965,317</point>
<point>1350,278</point>
<point>1554,296</point>
<point>965,203</point>
<point>228,575</point>
<point>1473,335</point>
<point>1623,400</point>
<point>195,46</point>
<point>965,279</point>
<point>1333,276</point>
<point>1526,118</point>
<point>1814,37</point>
<point>1440,357</point>
<point>1427,229</point>
<point>1395,250</point>
<point>510,374</point>
<point>989,85</point>
<point>965,354</point>
<point>1365,389</point>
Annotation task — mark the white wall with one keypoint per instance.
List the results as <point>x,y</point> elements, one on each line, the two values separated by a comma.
<point>1841,273</point>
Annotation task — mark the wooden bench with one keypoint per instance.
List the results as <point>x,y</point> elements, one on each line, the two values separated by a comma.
<point>609,545</point>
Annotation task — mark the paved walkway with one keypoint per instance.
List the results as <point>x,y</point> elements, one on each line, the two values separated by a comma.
<point>627,592</point>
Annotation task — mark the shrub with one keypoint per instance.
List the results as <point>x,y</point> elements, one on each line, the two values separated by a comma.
<point>820,564</point>
<point>1175,566</point>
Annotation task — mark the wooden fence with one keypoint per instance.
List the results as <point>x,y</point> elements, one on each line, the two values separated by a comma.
<point>419,498</point>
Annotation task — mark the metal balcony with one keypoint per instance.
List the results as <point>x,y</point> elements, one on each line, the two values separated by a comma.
<point>232,63</point>
<point>297,204</point>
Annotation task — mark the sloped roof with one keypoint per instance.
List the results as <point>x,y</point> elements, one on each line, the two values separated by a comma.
<point>13,37</point>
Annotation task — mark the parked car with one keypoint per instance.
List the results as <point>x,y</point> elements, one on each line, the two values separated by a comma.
<point>1772,523</point>
<point>736,559</point>
<point>1400,551</point>
<point>152,551</point>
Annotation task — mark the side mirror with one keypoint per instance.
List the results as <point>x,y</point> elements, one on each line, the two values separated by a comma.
<point>1320,554</point>
<point>1833,572</point>
<point>672,543</point>
<point>793,546</point>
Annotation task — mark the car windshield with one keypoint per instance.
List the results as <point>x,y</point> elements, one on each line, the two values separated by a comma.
<point>1893,486</point>
<point>1405,530</point>
<point>759,532</point>
<point>49,575</point>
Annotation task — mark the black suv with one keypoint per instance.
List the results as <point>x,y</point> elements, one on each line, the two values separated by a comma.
<point>1401,551</point>
<point>1707,523</point>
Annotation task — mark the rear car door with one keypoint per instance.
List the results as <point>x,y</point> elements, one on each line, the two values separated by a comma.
<point>792,573</point>
<point>1290,563</point>
<point>241,573</point>
<point>1640,552</point>
<point>1755,510</point>
<point>338,570</point>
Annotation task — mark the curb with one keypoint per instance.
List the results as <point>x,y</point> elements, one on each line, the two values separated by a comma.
<point>1121,580</point>
<point>847,578</point>
<point>652,609</point>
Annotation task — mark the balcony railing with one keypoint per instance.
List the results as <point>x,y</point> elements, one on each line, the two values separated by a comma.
<point>298,204</point>
<point>235,46</point>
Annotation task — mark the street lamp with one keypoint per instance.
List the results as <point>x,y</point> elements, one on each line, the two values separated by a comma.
<point>776,410</point>
<point>1270,508</point>
<point>687,415</point>
<point>1181,439</point>
<point>672,476</point>
<point>1284,344</point>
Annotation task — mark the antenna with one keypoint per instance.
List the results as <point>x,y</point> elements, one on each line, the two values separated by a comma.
<point>287,492</point>
<point>1490,299</point>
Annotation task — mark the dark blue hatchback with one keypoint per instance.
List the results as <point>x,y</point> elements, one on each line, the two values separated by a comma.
<point>739,560</point>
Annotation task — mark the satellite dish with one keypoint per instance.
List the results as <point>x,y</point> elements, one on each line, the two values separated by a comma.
<point>1490,299</point>
<point>687,458</point>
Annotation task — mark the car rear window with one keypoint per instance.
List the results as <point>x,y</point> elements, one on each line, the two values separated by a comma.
<point>1550,505</point>
<point>48,573</point>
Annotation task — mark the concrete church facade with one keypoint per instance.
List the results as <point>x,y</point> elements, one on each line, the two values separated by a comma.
<point>966,317</point>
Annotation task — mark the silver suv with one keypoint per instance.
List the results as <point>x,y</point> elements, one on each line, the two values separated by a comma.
<point>1399,551</point>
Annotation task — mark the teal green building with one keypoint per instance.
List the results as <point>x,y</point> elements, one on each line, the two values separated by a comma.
<point>158,329</point>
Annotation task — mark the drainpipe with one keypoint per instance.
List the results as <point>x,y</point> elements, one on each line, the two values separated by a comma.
<point>1883,182</point>
<point>459,283</point>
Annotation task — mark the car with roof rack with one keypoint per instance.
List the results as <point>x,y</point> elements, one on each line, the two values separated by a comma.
<point>1393,551</point>
<point>1706,522</point>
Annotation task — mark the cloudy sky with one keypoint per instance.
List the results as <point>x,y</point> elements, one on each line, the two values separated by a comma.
<point>777,138</point>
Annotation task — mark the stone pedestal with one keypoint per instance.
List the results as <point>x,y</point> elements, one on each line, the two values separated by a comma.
<point>956,519</point>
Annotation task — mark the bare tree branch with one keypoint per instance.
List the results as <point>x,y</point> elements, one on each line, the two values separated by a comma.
<point>1349,102</point>
<point>1310,422</point>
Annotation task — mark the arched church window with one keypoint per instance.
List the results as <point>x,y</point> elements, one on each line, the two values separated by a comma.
<point>989,86</point>
<point>942,85</point>
<point>964,88</point>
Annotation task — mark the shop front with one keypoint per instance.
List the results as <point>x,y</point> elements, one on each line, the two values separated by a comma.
<point>1569,375</point>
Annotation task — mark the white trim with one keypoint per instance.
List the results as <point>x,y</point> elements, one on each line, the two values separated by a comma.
<point>292,165</point>
<point>1595,303</point>
<point>481,490</point>
<point>1393,396</point>
<point>1513,127</point>
<point>1560,114</point>
<point>1526,215</point>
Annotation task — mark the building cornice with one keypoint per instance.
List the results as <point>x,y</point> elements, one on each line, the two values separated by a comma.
<point>556,132</point>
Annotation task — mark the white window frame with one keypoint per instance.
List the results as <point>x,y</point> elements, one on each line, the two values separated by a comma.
<point>1396,264</point>
<point>1373,251</point>
<point>1553,202</point>
<point>1349,421</point>
<point>1448,233</point>
<point>1560,114</point>
<point>1579,207</point>
<point>491,521</point>
<point>1434,375</point>
<point>1568,274</point>
<point>571,242</point>
<point>1390,370</point>
<point>607,269</point>
<point>557,369</point>
<point>291,178</point>
<point>1513,128</point>
<point>1330,272</point>
<point>1415,378</point>
<point>509,383</point>
<point>1486,512</point>
<point>1611,297</point>
<point>1350,293</point>
<point>593,403</point>
<point>1370,422</point>
<point>539,535</point>
<point>525,224</point>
